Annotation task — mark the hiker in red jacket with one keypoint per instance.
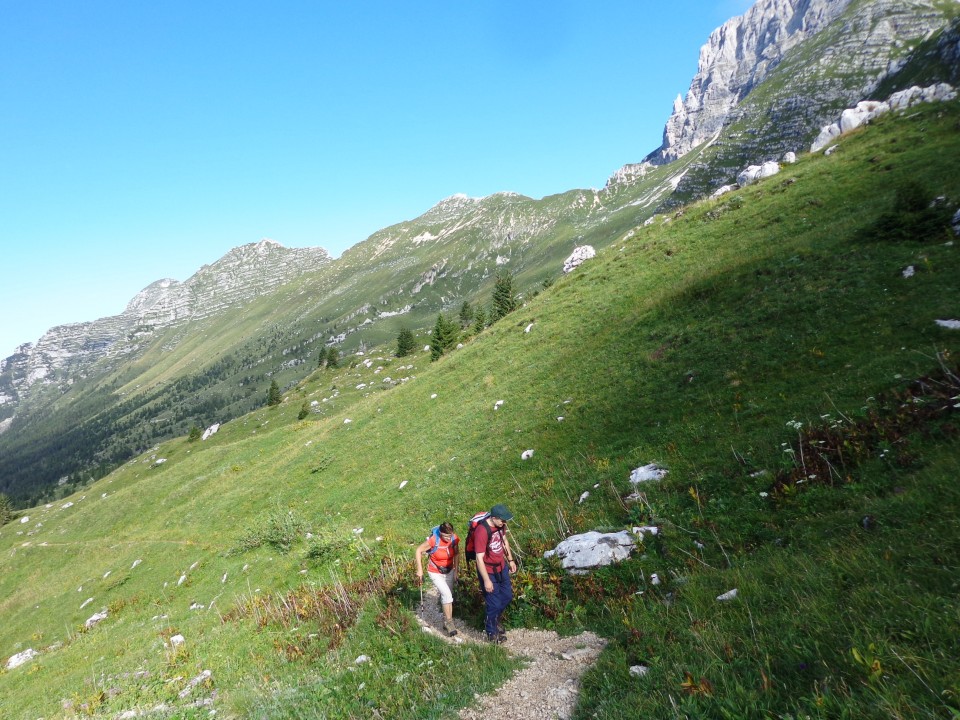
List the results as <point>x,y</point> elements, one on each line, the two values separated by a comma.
<point>443,552</point>
<point>494,566</point>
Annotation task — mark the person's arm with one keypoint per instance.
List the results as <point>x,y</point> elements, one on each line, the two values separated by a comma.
<point>482,569</point>
<point>509,555</point>
<point>421,549</point>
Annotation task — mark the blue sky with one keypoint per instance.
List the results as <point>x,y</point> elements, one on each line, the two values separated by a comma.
<point>139,141</point>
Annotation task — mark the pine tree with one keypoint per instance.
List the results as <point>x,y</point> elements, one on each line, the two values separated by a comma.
<point>479,320</point>
<point>333,357</point>
<point>504,300</point>
<point>6,509</point>
<point>273,395</point>
<point>195,434</point>
<point>444,337</point>
<point>304,411</point>
<point>406,343</point>
<point>466,314</point>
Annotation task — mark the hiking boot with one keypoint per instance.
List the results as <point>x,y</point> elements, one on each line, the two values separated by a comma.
<point>495,639</point>
<point>450,627</point>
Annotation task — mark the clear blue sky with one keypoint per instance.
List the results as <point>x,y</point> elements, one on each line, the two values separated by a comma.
<point>141,140</point>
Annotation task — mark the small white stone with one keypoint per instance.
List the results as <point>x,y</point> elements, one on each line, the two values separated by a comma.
<point>728,595</point>
<point>402,485</point>
<point>526,454</point>
<point>639,670</point>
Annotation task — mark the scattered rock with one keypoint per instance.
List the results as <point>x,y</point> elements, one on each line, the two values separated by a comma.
<point>177,640</point>
<point>583,497</point>
<point>497,404</point>
<point>202,677</point>
<point>526,454</point>
<point>639,670</point>
<point>729,595</point>
<point>212,430</point>
<point>581,553</point>
<point>579,255</point>
<point>949,324</point>
<point>21,658</point>
<point>403,484</point>
<point>647,473</point>
<point>909,271</point>
<point>753,173</point>
<point>95,619</point>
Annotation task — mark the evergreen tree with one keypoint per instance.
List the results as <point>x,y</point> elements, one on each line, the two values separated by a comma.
<point>333,357</point>
<point>304,411</point>
<point>504,299</point>
<point>444,337</point>
<point>6,509</point>
<point>406,343</point>
<point>466,314</point>
<point>195,434</point>
<point>479,320</point>
<point>273,395</point>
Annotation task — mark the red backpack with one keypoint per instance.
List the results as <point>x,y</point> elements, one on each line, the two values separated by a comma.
<point>471,552</point>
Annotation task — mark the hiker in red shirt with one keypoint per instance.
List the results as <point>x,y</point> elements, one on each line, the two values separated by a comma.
<point>443,560</point>
<point>494,566</point>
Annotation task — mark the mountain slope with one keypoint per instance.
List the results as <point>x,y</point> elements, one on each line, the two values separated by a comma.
<point>88,397</point>
<point>696,344</point>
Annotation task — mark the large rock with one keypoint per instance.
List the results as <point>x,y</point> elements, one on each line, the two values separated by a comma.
<point>581,553</point>
<point>21,658</point>
<point>757,172</point>
<point>584,252</point>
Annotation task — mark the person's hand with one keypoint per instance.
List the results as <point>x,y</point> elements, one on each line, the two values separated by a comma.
<point>513,567</point>
<point>488,586</point>
<point>419,578</point>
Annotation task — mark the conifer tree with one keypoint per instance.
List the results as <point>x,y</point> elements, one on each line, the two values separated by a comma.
<point>6,509</point>
<point>333,357</point>
<point>466,314</point>
<point>444,337</point>
<point>504,299</point>
<point>195,434</point>
<point>479,320</point>
<point>273,395</point>
<point>406,343</point>
<point>304,411</point>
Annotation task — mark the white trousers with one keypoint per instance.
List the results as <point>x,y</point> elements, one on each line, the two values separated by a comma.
<point>444,585</point>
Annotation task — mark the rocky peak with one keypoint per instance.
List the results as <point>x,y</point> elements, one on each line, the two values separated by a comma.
<point>737,57</point>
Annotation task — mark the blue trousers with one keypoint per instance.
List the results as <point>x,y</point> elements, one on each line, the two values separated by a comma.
<point>497,600</point>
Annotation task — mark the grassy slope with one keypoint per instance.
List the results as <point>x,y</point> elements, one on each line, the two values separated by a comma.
<point>691,344</point>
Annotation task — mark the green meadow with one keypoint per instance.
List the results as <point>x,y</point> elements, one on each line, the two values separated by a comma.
<point>765,348</point>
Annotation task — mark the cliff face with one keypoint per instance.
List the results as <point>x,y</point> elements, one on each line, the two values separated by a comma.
<point>69,351</point>
<point>739,55</point>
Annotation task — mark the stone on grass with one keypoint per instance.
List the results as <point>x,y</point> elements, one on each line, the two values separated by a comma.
<point>728,595</point>
<point>95,619</point>
<point>21,658</point>
<point>526,454</point>
<point>205,675</point>
<point>647,473</point>
<point>639,670</point>
<point>949,324</point>
<point>579,554</point>
<point>584,252</point>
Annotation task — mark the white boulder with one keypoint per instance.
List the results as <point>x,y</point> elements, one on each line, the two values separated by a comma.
<point>790,158</point>
<point>95,618</point>
<point>526,454</point>
<point>579,254</point>
<point>722,190</point>
<point>646,473</point>
<point>579,554</point>
<point>212,430</point>
<point>827,135</point>
<point>21,658</point>
<point>757,172</point>
<point>728,595</point>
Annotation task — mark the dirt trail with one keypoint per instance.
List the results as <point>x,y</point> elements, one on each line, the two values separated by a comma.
<point>546,689</point>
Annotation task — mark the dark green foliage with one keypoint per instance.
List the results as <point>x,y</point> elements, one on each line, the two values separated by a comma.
<point>479,320</point>
<point>406,343</point>
<point>445,335</point>
<point>504,296</point>
<point>195,434</point>
<point>333,357</point>
<point>273,394</point>
<point>6,509</point>
<point>915,215</point>
<point>466,314</point>
<point>304,411</point>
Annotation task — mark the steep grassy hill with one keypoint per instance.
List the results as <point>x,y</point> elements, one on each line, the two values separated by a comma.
<point>767,349</point>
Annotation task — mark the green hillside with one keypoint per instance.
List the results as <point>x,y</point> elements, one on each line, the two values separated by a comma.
<point>765,348</point>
